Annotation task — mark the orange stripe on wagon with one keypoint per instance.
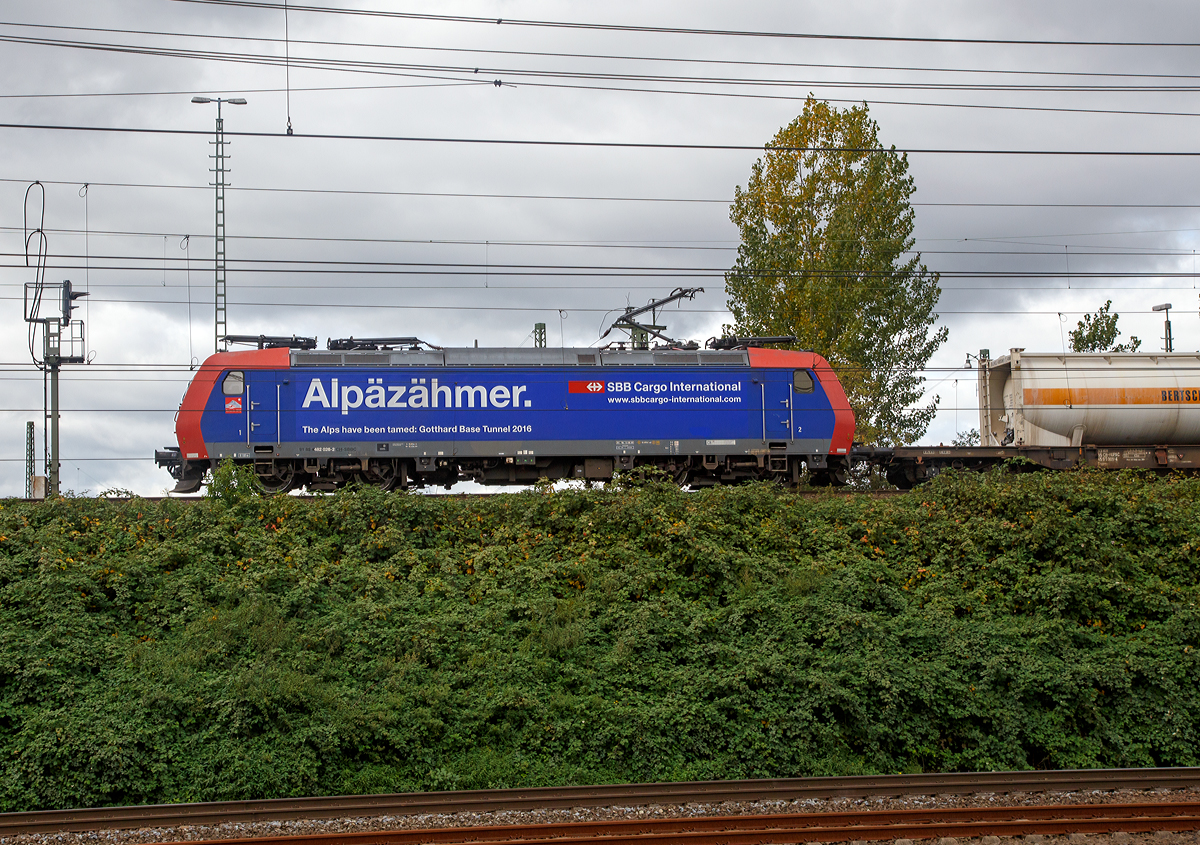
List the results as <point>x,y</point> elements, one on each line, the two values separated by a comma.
<point>1111,396</point>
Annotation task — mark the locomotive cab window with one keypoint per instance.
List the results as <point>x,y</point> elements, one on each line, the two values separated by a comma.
<point>802,381</point>
<point>234,383</point>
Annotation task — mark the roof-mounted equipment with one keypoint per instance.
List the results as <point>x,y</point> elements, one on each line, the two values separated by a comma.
<point>266,341</point>
<point>347,344</point>
<point>747,342</point>
<point>640,333</point>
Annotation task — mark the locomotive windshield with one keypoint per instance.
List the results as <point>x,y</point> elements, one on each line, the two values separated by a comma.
<point>233,383</point>
<point>802,381</point>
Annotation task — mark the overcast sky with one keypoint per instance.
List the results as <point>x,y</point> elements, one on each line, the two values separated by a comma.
<point>455,241</point>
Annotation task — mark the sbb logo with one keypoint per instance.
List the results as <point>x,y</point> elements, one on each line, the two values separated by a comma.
<point>585,386</point>
<point>619,387</point>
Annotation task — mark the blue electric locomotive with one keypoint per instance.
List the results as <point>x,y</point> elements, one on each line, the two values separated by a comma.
<point>409,415</point>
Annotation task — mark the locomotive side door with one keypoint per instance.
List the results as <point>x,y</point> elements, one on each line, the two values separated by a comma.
<point>262,407</point>
<point>777,404</point>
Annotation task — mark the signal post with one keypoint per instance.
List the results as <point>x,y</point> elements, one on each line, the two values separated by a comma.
<point>62,343</point>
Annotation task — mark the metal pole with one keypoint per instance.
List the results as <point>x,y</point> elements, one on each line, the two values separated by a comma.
<point>219,328</point>
<point>53,359</point>
<point>52,470</point>
<point>46,412</point>
<point>1168,341</point>
<point>30,459</point>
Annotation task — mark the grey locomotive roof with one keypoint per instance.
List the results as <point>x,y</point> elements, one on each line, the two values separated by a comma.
<point>508,357</point>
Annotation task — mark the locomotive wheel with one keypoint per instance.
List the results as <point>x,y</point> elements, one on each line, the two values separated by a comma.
<point>383,474</point>
<point>280,480</point>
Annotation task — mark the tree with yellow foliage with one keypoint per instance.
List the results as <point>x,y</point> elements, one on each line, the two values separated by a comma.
<point>825,255</point>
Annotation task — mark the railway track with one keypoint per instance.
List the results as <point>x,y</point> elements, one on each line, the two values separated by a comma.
<point>622,795</point>
<point>804,494</point>
<point>791,827</point>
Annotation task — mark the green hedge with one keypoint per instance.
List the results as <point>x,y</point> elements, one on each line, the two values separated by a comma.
<point>364,642</point>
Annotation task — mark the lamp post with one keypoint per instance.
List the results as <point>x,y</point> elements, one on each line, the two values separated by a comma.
<point>219,326</point>
<point>1168,343</point>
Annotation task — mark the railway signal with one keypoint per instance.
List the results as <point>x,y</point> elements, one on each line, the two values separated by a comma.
<point>62,343</point>
<point>62,337</point>
<point>68,301</point>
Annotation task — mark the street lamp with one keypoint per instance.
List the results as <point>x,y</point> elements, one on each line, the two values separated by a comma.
<point>219,325</point>
<point>235,101</point>
<point>1168,344</point>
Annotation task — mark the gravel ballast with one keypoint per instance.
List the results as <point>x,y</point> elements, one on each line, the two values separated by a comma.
<point>239,830</point>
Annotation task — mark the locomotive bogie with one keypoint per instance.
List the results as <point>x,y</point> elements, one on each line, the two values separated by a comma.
<point>283,475</point>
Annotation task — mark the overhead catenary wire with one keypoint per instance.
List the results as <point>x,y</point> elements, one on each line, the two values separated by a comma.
<point>729,246</point>
<point>135,367</point>
<point>345,66</point>
<point>23,368</point>
<point>630,145</point>
<point>534,309</point>
<point>536,76</point>
<point>394,267</point>
<point>66,95</point>
<point>1046,250</point>
<point>874,101</point>
<point>580,197</point>
<point>941,409</point>
<point>377,67</point>
<point>665,30</point>
<point>626,57</point>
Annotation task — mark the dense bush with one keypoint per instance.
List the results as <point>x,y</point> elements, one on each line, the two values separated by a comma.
<point>246,648</point>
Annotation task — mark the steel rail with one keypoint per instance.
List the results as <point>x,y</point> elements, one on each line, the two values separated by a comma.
<point>826,492</point>
<point>708,792</point>
<point>787,828</point>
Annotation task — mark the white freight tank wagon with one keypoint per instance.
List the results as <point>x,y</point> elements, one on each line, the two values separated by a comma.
<point>1056,400</point>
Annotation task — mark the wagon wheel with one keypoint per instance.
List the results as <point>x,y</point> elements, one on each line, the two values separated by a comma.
<point>280,480</point>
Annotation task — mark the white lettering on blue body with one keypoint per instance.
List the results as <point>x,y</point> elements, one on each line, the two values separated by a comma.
<point>349,397</point>
<point>316,393</point>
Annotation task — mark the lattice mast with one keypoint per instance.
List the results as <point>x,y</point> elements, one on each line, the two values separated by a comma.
<point>220,328</point>
<point>30,458</point>
<point>219,171</point>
